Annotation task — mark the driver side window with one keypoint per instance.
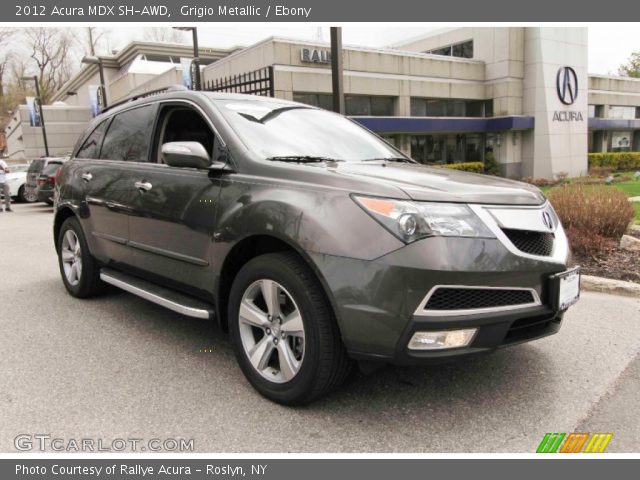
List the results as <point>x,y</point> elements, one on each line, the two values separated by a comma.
<point>184,124</point>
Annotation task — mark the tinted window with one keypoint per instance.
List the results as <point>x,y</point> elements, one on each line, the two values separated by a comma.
<point>129,135</point>
<point>36,166</point>
<point>91,146</point>
<point>51,168</point>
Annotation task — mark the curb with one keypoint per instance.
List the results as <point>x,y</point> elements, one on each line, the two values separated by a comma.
<point>607,285</point>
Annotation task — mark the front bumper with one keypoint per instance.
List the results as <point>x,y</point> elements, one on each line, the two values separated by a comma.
<point>378,302</point>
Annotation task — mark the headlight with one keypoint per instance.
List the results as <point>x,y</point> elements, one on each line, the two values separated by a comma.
<point>411,221</point>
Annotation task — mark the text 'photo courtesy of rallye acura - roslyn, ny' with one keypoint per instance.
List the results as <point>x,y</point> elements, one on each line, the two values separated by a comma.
<point>312,241</point>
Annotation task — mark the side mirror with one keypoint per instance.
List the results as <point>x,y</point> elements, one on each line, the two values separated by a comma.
<point>185,154</point>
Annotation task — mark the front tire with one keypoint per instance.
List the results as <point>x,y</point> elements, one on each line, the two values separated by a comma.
<point>23,197</point>
<point>79,270</point>
<point>284,332</point>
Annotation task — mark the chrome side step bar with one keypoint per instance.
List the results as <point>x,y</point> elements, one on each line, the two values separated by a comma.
<point>175,301</point>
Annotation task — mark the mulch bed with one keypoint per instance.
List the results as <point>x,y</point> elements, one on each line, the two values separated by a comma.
<point>616,264</point>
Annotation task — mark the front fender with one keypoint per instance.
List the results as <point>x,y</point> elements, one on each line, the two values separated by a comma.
<point>315,219</point>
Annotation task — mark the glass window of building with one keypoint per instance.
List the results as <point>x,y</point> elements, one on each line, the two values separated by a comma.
<point>620,141</point>
<point>435,107</point>
<point>322,100</point>
<point>441,51</point>
<point>354,104</point>
<point>621,112</point>
<point>368,105</point>
<point>447,148</point>
<point>460,50</point>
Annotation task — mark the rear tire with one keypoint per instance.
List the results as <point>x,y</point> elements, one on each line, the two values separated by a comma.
<point>23,197</point>
<point>295,355</point>
<point>79,270</point>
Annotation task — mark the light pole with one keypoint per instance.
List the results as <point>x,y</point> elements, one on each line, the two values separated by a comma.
<point>103,86</point>
<point>44,129</point>
<point>336,70</point>
<point>196,54</point>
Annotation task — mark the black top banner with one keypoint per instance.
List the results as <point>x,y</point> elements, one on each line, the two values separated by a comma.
<point>317,11</point>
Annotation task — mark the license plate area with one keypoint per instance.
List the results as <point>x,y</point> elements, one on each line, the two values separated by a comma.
<point>565,288</point>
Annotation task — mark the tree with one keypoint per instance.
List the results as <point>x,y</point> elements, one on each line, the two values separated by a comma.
<point>6,35</point>
<point>94,40</point>
<point>164,35</point>
<point>632,67</point>
<point>50,49</point>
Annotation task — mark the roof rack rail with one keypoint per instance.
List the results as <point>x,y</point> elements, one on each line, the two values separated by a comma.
<point>170,88</point>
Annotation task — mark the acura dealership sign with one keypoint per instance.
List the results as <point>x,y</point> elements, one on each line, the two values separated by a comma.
<point>567,85</point>
<point>567,90</point>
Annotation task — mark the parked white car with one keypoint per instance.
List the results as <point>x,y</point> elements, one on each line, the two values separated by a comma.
<point>17,180</point>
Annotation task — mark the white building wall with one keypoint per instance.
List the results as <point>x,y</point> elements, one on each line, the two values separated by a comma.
<point>554,147</point>
<point>64,124</point>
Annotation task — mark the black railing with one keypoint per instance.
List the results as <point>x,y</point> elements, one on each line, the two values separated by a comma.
<point>258,82</point>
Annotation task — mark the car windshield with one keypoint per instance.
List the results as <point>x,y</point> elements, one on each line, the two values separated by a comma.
<point>286,131</point>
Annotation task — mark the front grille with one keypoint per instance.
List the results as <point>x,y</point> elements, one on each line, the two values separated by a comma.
<point>447,298</point>
<point>533,243</point>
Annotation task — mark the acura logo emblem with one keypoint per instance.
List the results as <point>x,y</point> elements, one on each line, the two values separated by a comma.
<point>546,219</point>
<point>567,85</point>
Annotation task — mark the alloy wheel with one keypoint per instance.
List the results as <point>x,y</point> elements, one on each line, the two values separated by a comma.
<point>71,257</point>
<point>272,331</point>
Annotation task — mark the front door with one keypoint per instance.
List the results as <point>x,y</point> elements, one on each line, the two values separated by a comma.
<point>173,216</point>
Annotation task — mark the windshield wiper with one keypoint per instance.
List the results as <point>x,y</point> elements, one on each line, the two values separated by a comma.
<point>390,159</point>
<point>303,159</point>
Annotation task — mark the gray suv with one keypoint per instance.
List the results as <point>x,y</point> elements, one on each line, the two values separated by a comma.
<point>312,241</point>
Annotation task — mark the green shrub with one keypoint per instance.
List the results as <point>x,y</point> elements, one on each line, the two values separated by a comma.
<point>595,217</point>
<point>491,166</point>
<point>475,167</point>
<point>615,160</point>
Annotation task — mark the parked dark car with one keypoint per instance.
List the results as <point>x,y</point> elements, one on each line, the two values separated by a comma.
<point>47,182</point>
<point>36,167</point>
<point>310,239</point>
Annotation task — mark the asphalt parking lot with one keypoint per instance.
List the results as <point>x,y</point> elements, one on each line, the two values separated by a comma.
<point>118,366</point>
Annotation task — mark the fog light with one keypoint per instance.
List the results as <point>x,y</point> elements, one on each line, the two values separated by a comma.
<point>441,340</point>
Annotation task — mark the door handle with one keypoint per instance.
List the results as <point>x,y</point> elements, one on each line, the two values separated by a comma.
<point>87,177</point>
<point>146,186</point>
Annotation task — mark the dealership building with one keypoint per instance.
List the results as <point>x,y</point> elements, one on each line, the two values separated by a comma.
<point>520,94</point>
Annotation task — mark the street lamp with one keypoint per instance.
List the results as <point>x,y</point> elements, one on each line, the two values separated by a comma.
<point>196,54</point>
<point>336,70</point>
<point>88,60</point>
<point>44,130</point>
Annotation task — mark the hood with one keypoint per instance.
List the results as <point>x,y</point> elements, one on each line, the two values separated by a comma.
<point>420,182</point>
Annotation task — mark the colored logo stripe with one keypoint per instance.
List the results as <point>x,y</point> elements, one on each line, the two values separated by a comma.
<point>550,443</point>
<point>574,442</point>
<point>598,443</point>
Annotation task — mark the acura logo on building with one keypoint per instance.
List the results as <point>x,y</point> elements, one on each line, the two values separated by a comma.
<point>567,85</point>
<point>546,219</point>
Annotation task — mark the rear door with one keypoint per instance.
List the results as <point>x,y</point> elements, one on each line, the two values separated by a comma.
<point>173,217</point>
<point>112,150</point>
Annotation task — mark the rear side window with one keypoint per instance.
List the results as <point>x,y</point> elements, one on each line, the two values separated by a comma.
<point>36,166</point>
<point>51,168</point>
<point>129,136</point>
<point>91,146</point>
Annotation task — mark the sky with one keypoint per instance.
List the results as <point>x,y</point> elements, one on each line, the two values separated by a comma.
<point>609,44</point>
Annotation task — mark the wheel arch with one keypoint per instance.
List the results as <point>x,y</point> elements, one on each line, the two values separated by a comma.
<point>61,215</point>
<point>251,247</point>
